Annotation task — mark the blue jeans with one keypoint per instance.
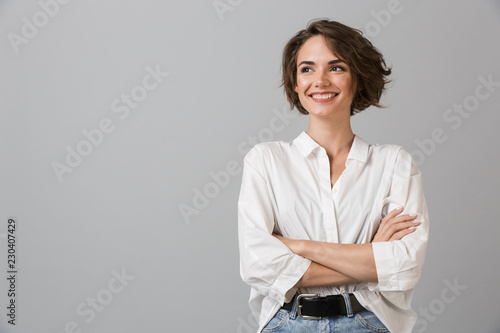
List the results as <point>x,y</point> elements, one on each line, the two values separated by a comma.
<point>285,321</point>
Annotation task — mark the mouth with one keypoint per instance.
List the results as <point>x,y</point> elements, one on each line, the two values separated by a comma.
<point>323,97</point>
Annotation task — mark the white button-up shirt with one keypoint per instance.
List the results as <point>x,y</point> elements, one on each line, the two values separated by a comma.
<point>286,188</point>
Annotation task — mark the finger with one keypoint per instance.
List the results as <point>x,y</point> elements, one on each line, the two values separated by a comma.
<point>399,235</point>
<point>395,224</point>
<point>391,223</point>
<point>402,218</point>
<point>395,228</point>
<point>392,214</point>
<point>411,224</point>
<point>395,212</point>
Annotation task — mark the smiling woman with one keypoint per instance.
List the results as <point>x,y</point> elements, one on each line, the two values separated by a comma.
<point>323,80</point>
<point>347,47</point>
<point>332,230</point>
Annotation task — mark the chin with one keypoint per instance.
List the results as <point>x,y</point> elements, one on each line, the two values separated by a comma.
<point>322,112</point>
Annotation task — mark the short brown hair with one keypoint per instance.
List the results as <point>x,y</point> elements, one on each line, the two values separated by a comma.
<point>368,68</point>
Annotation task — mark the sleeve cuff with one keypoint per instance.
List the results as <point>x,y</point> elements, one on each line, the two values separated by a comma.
<point>386,267</point>
<point>283,287</point>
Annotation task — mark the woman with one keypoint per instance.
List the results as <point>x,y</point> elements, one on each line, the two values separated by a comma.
<point>332,230</point>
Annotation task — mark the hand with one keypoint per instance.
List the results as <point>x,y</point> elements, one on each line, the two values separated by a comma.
<point>393,227</point>
<point>293,244</point>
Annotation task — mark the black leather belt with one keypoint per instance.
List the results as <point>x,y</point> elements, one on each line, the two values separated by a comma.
<point>311,306</point>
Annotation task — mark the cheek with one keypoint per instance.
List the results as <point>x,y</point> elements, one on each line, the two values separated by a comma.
<point>349,83</point>
<point>300,87</point>
<point>346,85</point>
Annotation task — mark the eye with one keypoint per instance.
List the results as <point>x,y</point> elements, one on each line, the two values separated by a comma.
<point>306,70</point>
<point>337,69</point>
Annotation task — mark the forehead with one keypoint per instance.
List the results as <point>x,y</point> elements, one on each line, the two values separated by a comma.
<point>317,48</point>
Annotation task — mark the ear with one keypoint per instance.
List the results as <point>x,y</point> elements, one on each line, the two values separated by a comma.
<point>296,89</point>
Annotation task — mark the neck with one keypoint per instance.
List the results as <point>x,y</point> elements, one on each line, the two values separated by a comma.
<point>335,135</point>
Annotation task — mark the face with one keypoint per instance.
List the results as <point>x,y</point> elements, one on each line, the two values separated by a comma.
<point>324,82</point>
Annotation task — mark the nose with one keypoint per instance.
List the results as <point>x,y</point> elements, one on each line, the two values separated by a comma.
<point>322,79</point>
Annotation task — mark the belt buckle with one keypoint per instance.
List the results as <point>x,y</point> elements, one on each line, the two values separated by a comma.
<point>299,308</point>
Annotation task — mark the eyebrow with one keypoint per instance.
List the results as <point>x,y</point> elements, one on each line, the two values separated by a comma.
<point>331,62</point>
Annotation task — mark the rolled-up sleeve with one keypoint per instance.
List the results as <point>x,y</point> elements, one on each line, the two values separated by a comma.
<point>399,263</point>
<point>266,264</point>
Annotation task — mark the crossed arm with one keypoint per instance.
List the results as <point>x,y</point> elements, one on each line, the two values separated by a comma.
<point>336,264</point>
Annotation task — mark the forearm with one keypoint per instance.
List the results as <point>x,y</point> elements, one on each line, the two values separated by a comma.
<point>318,275</point>
<point>353,260</point>
<point>356,260</point>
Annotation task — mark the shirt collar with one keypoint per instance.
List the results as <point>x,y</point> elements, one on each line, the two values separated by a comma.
<point>306,144</point>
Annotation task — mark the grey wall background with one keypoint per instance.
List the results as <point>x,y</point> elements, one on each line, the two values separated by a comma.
<point>118,212</point>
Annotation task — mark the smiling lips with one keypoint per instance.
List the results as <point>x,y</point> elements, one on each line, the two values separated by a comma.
<point>323,97</point>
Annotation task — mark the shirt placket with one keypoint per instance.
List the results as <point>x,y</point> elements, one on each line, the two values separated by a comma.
<point>329,219</point>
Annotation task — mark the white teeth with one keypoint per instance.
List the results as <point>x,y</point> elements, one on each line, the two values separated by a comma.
<point>322,96</point>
